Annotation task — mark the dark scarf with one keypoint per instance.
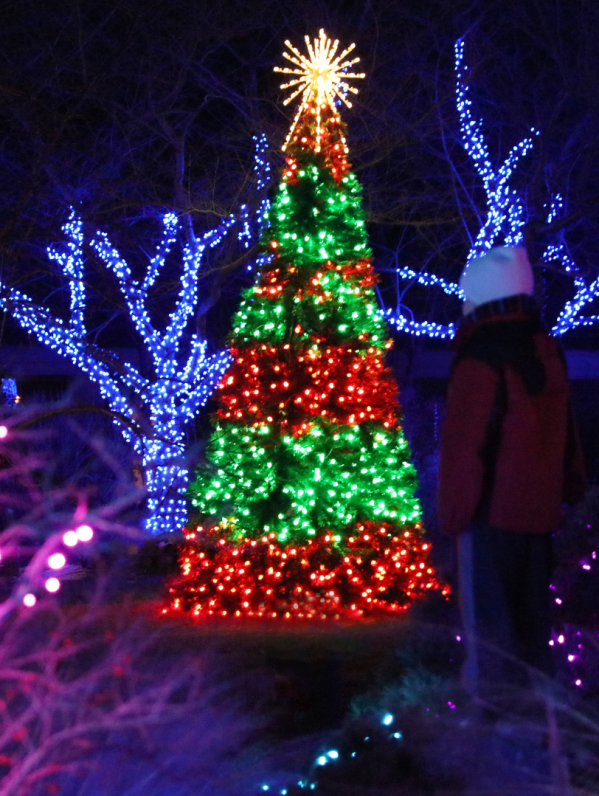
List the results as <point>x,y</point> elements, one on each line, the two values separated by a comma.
<point>505,341</point>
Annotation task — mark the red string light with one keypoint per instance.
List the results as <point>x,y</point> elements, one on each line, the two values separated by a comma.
<point>330,382</point>
<point>377,573</point>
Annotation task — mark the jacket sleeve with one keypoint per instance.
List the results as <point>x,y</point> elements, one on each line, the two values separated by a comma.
<point>470,401</point>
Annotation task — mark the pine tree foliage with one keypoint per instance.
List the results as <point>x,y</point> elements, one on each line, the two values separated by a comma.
<point>308,507</point>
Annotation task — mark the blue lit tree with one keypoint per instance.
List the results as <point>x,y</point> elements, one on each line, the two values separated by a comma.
<point>151,409</point>
<point>502,223</point>
<point>586,290</point>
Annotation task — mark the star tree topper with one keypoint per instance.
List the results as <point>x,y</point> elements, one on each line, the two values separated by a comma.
<point>321,77</point>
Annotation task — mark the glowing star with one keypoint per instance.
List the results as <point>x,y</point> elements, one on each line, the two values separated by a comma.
<point>321,77</point>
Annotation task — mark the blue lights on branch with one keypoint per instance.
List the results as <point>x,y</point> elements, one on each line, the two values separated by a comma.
<point>420,328</point>
<point>183,373</point>
<point>423,278</point>
<point>503,224</point>
<point>570,316</point>
<point>505,212</point>
<point>505,216</point>
<point>262,179</point>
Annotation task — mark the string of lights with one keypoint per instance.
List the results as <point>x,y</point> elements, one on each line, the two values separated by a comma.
<point>421,328</point>
<point>377,572</point>
<point>570,317</point>
<point>424,328</point>
<point>503,224</point>
<point>426,279</point>
<point>505,213</point>
<point>49,562</point>
<point>307,503</point>
<point>183,375</point>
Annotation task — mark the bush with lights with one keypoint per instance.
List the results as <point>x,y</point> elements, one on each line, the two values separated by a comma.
<point>306,505</point>
<point>574,590</point>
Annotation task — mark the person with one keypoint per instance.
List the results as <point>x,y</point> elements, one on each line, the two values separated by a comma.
<point>510,457</point>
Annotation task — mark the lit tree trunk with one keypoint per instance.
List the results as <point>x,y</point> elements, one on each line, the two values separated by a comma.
<point>181,374</point>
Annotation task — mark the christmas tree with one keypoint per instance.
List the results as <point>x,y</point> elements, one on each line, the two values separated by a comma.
<point>307,508</point>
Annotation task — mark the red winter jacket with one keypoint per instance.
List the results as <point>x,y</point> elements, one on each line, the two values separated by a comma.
<point>509,453</point>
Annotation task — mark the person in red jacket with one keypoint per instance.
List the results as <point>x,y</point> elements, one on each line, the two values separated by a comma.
<point>509,459</point>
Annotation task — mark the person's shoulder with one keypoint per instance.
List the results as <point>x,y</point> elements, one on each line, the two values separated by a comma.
<point>474,366</point>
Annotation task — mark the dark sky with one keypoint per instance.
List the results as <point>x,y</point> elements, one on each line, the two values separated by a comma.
<point>126,109</point>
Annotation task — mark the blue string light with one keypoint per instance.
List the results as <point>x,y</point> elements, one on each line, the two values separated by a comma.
<point>183,376</point>
<point>262,178</point>
<point>424,278</point>
<point>569,318</point>
<point>505,212</point>
<point>420,328</point>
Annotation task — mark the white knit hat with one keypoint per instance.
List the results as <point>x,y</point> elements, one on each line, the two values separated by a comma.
<point>501,272</point>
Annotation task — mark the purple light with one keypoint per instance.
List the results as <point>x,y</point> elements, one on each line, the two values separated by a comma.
<point>29,600</point>
<point>52,585</point>
<point>70,539</point>
<point>84,533</point>
<point>57,561</point>
<point>3,432</point>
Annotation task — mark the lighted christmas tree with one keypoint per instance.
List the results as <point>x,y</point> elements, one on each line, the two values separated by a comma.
<point>308,506</point>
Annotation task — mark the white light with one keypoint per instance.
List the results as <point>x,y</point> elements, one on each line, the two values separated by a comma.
<point>333,754</point>
<point>29,600</point>
<point>70,538</point>
<point>52,585</point>
<point>388,719</point>
<point>84,533</point>
<point>57,561</point>
<point>321,761</point>
<point>3,431</point>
